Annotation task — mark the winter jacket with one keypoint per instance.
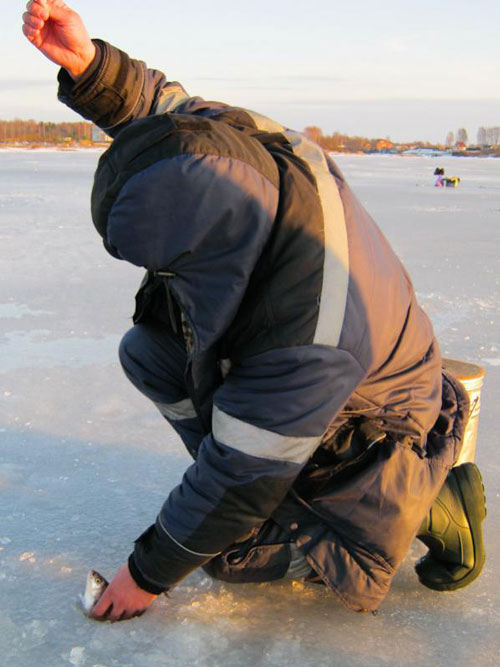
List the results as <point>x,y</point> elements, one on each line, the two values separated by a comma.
<point>312,367</point>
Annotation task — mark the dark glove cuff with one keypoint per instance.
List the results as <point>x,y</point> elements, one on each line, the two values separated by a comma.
<point>69,86</point>
<point>140,580</point>
<point>109,90</point>
<point>161,561</point>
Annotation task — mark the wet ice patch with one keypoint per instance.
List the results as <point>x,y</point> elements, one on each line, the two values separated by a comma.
<point>20,199</point>
<point>436,209</point>
<point>18,310</point>
<point>33,349</point>
<point>10,473</point>
<point>495,361</point>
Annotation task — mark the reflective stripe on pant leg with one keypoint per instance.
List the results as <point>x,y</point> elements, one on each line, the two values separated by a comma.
<point>154,361</point>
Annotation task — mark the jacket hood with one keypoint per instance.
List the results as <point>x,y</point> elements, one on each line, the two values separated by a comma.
<point>194,198</point>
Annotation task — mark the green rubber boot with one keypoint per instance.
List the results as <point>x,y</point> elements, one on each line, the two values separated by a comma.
<point>453,533</point>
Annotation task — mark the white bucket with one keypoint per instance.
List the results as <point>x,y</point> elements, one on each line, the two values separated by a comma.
<point>471,376</point>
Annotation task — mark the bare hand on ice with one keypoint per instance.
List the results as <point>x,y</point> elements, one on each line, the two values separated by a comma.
<point>119,600</point>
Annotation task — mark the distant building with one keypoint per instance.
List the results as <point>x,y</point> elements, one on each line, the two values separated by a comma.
<point>384,145</point>
<point>98,136</point>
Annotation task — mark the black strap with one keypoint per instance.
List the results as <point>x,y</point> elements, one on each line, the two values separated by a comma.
<point>271,138</point>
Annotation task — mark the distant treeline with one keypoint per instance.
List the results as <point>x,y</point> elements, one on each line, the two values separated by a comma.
<point>343,143</point>
<point>488,142</point>
<point>36,132</point>
<point>40,132</point>
<point>32,131</point>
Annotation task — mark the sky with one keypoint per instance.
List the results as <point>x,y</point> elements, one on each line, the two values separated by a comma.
<point>398,69</point>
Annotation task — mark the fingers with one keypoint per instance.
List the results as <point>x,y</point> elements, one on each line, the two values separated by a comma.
<point>124,616</point>
<point>101,616</point>
<point>58,10</point>
<point>115,614</point>
<point>45,9</point>
<point>38,10</point>
<point>103,606</point>
<point>108,609</point>
<point>32,21</point>
<point>30,33</point>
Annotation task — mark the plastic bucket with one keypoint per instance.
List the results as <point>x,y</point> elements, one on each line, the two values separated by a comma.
<point>471,376</point>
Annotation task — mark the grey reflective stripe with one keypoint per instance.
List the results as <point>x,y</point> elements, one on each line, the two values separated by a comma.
<point>195,553</point>
<point>170,98</point>
<point>264,123</point>
<point>336,266</point>
<point>336,263</point>
<point>260,442</point>
<point>176,411</point>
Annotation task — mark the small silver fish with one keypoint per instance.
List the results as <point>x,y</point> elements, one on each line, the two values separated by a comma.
<point>95,586</point>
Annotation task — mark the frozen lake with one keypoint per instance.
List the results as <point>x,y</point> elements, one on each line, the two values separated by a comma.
<point>86,462</point>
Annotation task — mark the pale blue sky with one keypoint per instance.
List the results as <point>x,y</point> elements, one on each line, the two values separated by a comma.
<point>408,70</point>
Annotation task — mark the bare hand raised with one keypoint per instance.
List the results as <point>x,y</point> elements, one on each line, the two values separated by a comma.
<point>60,34</point>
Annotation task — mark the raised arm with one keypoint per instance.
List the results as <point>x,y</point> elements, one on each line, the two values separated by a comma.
<point>97,80</point>
<point>101,82</point>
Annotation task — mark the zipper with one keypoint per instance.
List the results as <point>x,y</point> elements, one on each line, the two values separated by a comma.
<point>165,277</point>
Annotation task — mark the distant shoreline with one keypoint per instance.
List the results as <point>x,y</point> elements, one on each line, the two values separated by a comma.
<point>101,146</point>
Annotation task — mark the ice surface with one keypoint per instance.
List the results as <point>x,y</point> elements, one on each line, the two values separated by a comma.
<point>85,461</point>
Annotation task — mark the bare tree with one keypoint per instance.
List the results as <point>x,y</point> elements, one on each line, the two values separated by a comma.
<point>314,133</point>
<point>492,136</point>
<point>481,136</point>
<point>450,139</point>
<point>462,136</point>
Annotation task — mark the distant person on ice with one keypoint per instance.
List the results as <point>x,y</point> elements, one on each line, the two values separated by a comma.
<point>442,182</point>
<point>439,172</point>
<point>279,335</point>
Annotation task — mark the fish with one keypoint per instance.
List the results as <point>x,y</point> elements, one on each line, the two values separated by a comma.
<point>95,586</point>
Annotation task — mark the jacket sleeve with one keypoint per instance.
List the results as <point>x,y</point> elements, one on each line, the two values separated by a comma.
<point>116,89</point>
<point>269,415</point>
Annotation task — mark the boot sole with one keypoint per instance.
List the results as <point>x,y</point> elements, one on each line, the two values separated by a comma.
<point>471,488</point>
